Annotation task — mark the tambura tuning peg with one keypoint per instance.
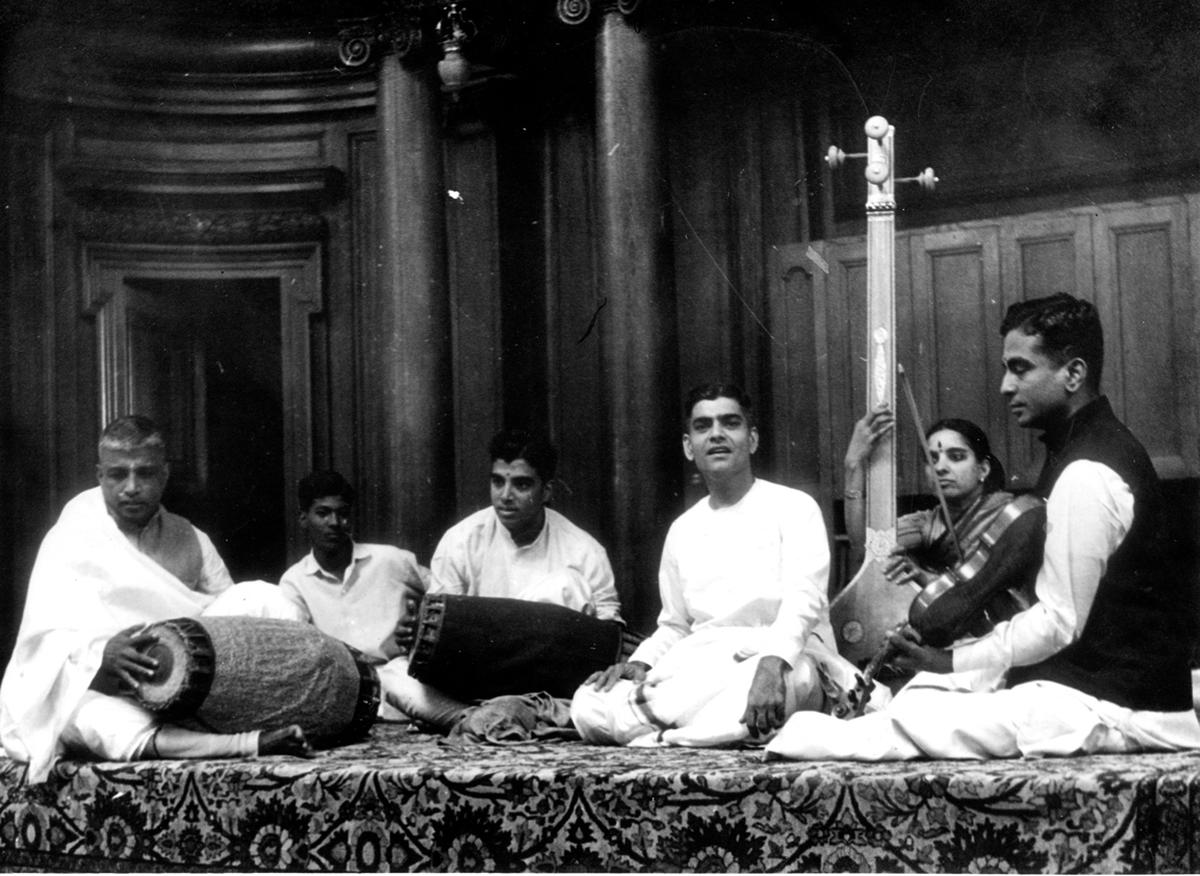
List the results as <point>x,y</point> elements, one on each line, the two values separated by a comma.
<point>876,127</point>
<point>835,157</point>
<point>876,172</point>
<point>925,179</point>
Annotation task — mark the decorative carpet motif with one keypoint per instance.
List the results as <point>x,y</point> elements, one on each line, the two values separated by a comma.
<point>406,801</point>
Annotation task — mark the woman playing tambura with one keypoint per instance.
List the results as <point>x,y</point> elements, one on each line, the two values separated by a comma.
<point>971,478</point>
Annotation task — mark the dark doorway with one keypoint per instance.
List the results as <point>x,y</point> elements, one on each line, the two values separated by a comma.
<point>206,362</point>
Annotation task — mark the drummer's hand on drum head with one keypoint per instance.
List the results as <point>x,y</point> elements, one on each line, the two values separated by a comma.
<point>605,679</point>
<point>406,628</point>
<point>124,659</point>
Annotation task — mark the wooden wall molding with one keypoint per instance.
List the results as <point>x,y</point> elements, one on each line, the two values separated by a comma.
<point>96,183</point>
<point>199,227</point>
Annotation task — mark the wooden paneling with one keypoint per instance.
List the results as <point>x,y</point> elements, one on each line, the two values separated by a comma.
<point>1135,261</point>
<point>956,345</point>
<point>1039,255</point>
<point>1143,295</point>
<point>799,376</point>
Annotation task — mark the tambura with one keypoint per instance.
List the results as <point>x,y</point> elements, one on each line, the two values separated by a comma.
<point>232,674</point>
<point>475,647</point>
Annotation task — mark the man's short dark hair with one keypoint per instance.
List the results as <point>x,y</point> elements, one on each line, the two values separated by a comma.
<point>510,444</point>
<point>320,484</point>
<point>132,432</point>
<point>1069,328</point>
<point>711,391</point>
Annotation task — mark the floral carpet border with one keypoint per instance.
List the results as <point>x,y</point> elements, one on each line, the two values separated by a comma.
<point>404,801</point>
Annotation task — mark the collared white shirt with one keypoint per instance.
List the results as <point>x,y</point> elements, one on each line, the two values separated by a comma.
<point>363,606</point>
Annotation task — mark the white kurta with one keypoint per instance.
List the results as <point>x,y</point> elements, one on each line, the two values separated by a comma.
<point>562,566</point>
<point>963,714</point>
<point>89,582</point>
<point>737,584</point>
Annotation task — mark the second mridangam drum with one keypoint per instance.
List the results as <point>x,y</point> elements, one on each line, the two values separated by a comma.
<point>475,647</point>
<point>232,674</point>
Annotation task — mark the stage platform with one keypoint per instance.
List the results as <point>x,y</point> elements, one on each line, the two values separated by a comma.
<point>406,801</point>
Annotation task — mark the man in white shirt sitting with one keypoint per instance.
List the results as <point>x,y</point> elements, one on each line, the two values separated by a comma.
<point>743,639</point>
<point>361,594</point>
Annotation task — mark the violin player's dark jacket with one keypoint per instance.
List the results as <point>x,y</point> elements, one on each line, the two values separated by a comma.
<point>1135,646</point>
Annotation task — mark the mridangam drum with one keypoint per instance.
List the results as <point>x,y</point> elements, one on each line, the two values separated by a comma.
<point>232,674</point>
<point>475,647</point>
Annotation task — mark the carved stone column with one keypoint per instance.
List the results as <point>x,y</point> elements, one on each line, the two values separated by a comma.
<point>412,358</point>
<point>638,332</point>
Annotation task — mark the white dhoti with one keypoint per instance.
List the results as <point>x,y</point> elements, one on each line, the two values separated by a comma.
<point>697,695</point>
<point>947,716</point>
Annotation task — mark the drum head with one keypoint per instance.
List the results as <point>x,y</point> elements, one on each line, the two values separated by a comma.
<point>184,672</point>
<point>165,657</point>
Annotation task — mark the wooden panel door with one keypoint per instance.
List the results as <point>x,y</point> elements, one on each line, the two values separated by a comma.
<point>1039,255</point>
<point>205,363</point>
<point>955,283</point>
<point>1144,296</point>
<point>216,342</point>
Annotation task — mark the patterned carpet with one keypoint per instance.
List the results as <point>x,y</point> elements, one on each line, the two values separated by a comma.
<point>405,801</point>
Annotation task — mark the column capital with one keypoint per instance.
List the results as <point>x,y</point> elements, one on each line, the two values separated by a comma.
<point>575,12</point>
<point>404,28</point>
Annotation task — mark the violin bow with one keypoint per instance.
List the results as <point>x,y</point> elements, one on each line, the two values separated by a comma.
<point>937,486</point>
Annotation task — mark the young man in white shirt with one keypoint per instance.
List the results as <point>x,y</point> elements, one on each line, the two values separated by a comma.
<point>361,593</point>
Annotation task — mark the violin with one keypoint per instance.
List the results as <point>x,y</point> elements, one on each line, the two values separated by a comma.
<point>991,584</point>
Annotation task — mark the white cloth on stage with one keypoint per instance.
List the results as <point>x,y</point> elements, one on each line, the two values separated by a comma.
<point>564,565</point>
<point>962,716</point>
<point>88,583</point>
<point>362,608</point>
<point>737,584</point>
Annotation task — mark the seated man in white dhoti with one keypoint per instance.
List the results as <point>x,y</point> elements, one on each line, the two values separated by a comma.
<point>743,639</point>
<point>521,549</point>
<point>115,561</point>
<point>361,593</point>
<point>1099,664</point>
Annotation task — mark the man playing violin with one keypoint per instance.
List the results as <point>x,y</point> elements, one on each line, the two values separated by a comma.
<point>1100,663</point>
